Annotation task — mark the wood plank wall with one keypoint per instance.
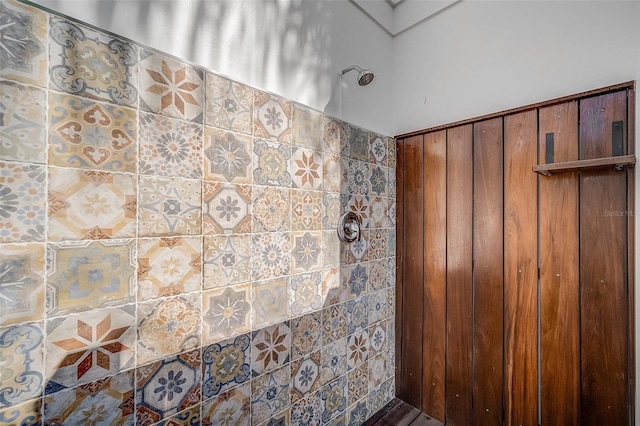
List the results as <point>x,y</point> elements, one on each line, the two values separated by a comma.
<point>523,283</point>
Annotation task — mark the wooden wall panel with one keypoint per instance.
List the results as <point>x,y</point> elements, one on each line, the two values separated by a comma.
<point>399,324</point>
<point>603,268</point>
<point>559,272</point>
<point>435,271</point>
<point>487,272</point>
<point>520,270</point>
<point>459,276</point>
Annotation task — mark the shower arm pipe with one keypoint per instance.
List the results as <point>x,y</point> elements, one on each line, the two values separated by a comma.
<point>351,68</point>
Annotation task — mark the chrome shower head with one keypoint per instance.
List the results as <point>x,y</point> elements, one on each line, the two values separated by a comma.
<point>364,76</point>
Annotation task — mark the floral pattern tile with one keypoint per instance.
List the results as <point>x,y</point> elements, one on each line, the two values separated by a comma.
<point>270,348</point>
<point>306,210</point>
<point>392,152</point>
<point>334,251</point>
<point>169,266</point>
<point>270,302</point>
<point>227,260</point>
<point>358,413</point>
<point>229,105</point>
<point>339,420</point>
<point>306,293</point>
<point>226,312</point>
<point>271,209</point>
<point>334,399</point>
<point>227,156</point>
<point>359,143</point>
<point>26,414</point>
<point>359,176</point>
<point>169,207</point>
<point>283,418</point>
<point>85,275</point>
<point>379,212</point>
<point>270,257</point>
<point>271,163</point>
<point>226,365</point>
<point>306,169</point>
<point>270,394</point>
<point>391,183</point>
<point>107,401</point>
<point>377,239</point>
<point>91,205</point>
<point>357,348</point>
<point>167,327</point>
<point>305,373</point>
<point>272,117</point>
<point>335,136</point>
<point>22,364</point>
<point>361,205</point>
<point>21,283</point>
<point>22,128</point>
<point>358,383</point>
<point>306,335</point>
<point>334,361</point>
<point>378,180</point>
<point>82,348</point>
<point>170,147</point>
<point>167,387</point>
<point>378,150</point>
<point>378,306</point>
<point>334,323</point>
<point>188,417</point>
<point>335,286</point>
<point>333,206</point>
<point>226,208</point>
<point>22,202</point>
<point>24,43</point>
<point>92,64</point>
<point>306,128</point>
<point>335,176</point>
<point>170,87</point>
<point>232,408</point>
<point>306,251</point>
<point>358,250</point>
<point>91,135</point>
<point>378,337</point>
<point>377,274</point>
<point>358,280</point>
<point>391,242</point>
<point>357,318</point>
<point>307,411</point>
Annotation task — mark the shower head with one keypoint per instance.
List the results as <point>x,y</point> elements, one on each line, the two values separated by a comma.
<point>364,76</point>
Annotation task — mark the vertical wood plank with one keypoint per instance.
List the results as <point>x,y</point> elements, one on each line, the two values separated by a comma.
<point>413,274</point>
<point>559,271</point>
<point>487,272</point>
<point>603,268</point>
<point>631,113</point>
<point>399,256</point>
<point>435,269</point>
<point>520,270</point>
<point>459,276</point>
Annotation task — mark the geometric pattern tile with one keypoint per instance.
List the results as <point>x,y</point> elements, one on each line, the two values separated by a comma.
<point>306,293</point>
<point>377,239</point>
<point>358,143</point>
<point>378,180</point>
<point>85,275</point>
<point>334,398</point>
<point>357,318</point>
<point>378,150</point>
<point>359,176</point>
<point>26,414</point>
<point>377,371</point>
<point>21,283</point>
<point>306,251</point>
<point>270,302</point>
<point>272,117</point>
<point>270,394</point>
<point>377,275</point>
<point>306,169</point>
<point>225,365</point>
<point>334,251</point>
<point>307,411</point>
<point>306,128</point>
<point>378,306</point>
<point>227,260</point>
<point>22,202</point>
<point>379,214</point>
<point>227,156</point>
<point>270,348</point>
<point>226,312</point>
<point>334,361</point>
<point>229,105</point>
<point>333,205</point>
<point>334,323</point>
<point>271,209</point>
<point>392,152</point>
<point>306,210</point>
<point>22,130</point>
<point>335,136</point>
<point>188,417</point>
<point>305,374</point>
<point>283,418</point>
<point>270,255</point>
<point>230,408</point>
<point>226,208</point>
<point>335,177</point>
<point>357,348</point>
<point>358,280</point>
<point>358,383</point>
<point>360,205</point>
<point>271,165</point>
<point>306,335</point>
<point>21,362</point>
<point>358,413</point>
<point>359,249</point>
<point>334,286</point>
<point>391,183</point>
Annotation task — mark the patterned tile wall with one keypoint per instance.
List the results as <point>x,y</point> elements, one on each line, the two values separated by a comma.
<point>168,252</point>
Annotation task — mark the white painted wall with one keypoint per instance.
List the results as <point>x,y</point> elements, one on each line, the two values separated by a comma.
<point>293,48</point>
<point>479,57</point>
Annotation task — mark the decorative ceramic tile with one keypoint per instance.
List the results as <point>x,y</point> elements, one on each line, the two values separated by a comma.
<point>391,362</point>
<point>169,266</point>
<point>89,63</point>
<point>83,348</point>
<point>306,293</point>
<point>22,202</point>
<point>357,318</point>
<point>306,128</point>
<point>307,411</point>
<point>226,365</point>
<point>391,271</point>
<point>376,397</point>
<point>334,323</point>
<point>270,255</point>
<point>170,87</point>
<point>270,348</point>
<point>306,168</point>
<point>334,399</point>
<point>229,104</point>
<point>167,387</point>
<point>231,408</point>
<point>27,414</point>
<point>391,183</point>
<point>271,209</point>
<point>104,402</point>
<point>22,364</point>
<point>357,348</point>
<point>377,239</point>
<point>392,152</point>
<point>23,45</point>
<point>359,176</point>
<point>170,147</point>
<point>378,337</point>
<point>391,301</point>
<point>270,394</point>
<point>305,373</point>
<point>390,388</point>
<point>334,361</point>
<point>272,117</point>
<point>334,286</point>
<point>379,212</point>
<point>167,327</point>
<point>169,206</point>
<point>335,173</point>
<point>333,206</point>
<point>283,418</point>
<point>359,143</point>
<point>335,136</point>
<point>306,335</point>
<point>226,312</point>
<point>91,135</point>
<point>358,280</point>
<point>187,417</point>
<point>306,251</point>
<point>21,283</point>
<point>91,205</point>
<point>227,260</point>
<point>377,274</point>
<point>358,413</point>
<point>391,242</point>
<point>22,128</point>
<point>85,275</point>
<point>270,302</point>
<point>358,383</point>
<point>390,334</point>
<point>334,251</point>
<point>306,210</point>
<point>378,306</point>
<point>271,163</point>
<point>378,150</point>
<point>360,205</point>
<point>226,208</point>
<point>227,156</point>
<point>339,420</point>
<point>357,251</point>
<point>378,180</point>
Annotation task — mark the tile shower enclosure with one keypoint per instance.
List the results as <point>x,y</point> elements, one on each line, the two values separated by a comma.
<point>168,252</point>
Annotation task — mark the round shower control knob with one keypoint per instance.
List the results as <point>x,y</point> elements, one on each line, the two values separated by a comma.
<point>349,227</point>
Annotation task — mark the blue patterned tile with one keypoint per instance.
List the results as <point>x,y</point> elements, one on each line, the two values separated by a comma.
<point>270,394</point>
<point>22,363</point>
<point>357,318</point>
<point>225,365</point>
<point>21,283</point>
<point>334,399</point>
